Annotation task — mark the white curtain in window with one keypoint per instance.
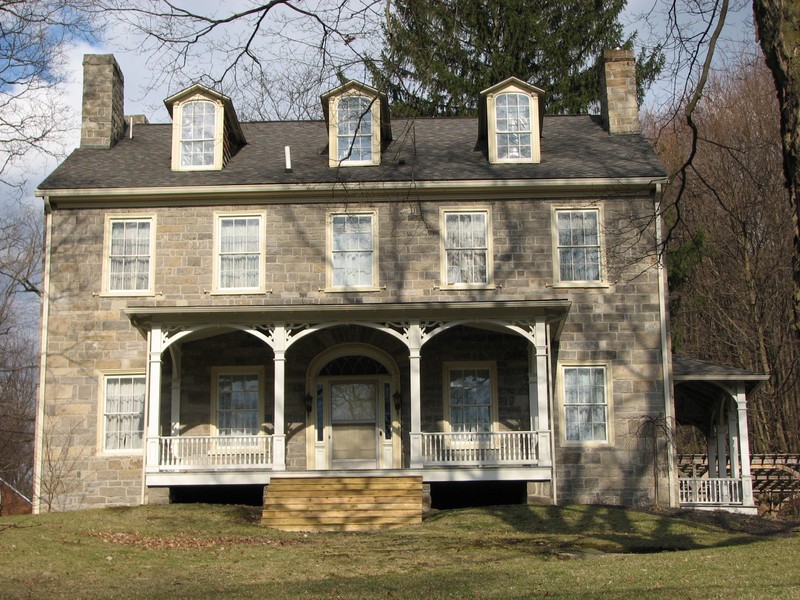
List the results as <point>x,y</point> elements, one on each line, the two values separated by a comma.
<point>239,252</point>
<point>585,403</point>
<point>124,413</point>
<point>466,247</point>
<point>470,397</point>
<point>352,250</point>
<point>129,256</point>
<point>578,245</point>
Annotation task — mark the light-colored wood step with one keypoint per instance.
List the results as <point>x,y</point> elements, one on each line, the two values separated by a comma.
<point>342,503</point>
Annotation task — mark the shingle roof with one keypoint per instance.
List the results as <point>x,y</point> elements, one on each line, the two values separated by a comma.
<point>445,149</point>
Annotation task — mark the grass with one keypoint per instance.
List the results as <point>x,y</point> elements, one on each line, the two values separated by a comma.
<point>198,551</point>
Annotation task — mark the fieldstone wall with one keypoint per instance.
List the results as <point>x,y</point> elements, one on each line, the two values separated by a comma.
<point>618,324</point>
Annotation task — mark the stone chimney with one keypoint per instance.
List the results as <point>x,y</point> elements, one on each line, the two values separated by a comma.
<point>103,122</point>
<point>618,92</point>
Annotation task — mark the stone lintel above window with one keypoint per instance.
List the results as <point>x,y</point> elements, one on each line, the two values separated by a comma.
<point>205,129</point>
<point>359,128</point>
<point>510,121</point>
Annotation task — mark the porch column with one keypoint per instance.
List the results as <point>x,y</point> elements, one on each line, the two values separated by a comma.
<point>744,446</point>
<point>539,397</point>
<point>156,344</point>
<point>415,435</point>
<point>175,411</point>
<point>713,471</point>
<point>722,455</point>
<point>279,435</point>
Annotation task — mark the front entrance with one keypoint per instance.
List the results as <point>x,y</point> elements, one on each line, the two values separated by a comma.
<point>354,420</point>
<point>355,431</point>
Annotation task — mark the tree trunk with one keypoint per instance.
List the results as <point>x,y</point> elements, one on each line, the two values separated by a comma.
<point>778,26</point>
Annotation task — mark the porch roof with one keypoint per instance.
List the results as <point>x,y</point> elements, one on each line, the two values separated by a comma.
<point>690,369</point>
<point>551,310</point>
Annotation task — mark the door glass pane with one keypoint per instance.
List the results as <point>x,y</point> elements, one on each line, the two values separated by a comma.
<point>352,402</point>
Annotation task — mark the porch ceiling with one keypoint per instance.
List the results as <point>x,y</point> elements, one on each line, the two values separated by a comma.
<point>553,311</point>
<point>699,386</point>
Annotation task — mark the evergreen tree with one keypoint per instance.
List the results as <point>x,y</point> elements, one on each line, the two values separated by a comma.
<point>439,54</point>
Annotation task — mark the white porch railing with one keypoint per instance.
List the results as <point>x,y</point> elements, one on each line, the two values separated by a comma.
<point>496,448</point>
<point>710,490</point>
<point>203,453</point>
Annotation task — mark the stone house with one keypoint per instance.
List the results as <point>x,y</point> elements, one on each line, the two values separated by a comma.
<point>457,301</point>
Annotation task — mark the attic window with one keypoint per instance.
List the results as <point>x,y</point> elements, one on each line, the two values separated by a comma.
<point>510,121</point>
<point>205,129</point>
<point>357,116</point>
<point>354,136</point>
<point>198,132</point>
<point>513,126</point>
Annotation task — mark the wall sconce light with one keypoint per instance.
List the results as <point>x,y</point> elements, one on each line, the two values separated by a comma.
<point>397,397</point>
<point>308,400</point>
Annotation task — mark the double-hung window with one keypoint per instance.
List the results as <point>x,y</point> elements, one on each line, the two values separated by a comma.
<point>240,253</point>
<point>467,257</point>
<point>513,126</point>
<point>123,412</point>
<point>198,133</point>
<point>353,253</point>
<point>354,129</point>
<point>469,398</point>
<point>129,259</point>
<point>578,245</point>
<point>586,408</point>
<point>238,403</point>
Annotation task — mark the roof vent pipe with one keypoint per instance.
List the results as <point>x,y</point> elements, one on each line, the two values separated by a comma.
<point>287,152</point>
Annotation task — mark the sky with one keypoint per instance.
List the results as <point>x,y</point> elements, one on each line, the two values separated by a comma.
<point>142,98</point>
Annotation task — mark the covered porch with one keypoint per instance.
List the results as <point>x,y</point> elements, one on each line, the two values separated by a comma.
<point>713,398</point>
<point>450,391</point>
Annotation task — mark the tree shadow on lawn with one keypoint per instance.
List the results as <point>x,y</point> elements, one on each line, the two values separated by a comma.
<point>617,529</point>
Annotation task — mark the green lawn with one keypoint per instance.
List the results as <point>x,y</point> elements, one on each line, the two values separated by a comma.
<point>200,551</point>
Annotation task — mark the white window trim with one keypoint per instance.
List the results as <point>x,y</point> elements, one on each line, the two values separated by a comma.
<point>177,120</point>
<point>536,155</point>
<point>561,391</point>
<point>216,289</point>
<point>330,287</point>
<point>602,282</point>
<point>489,283</point>
<point>333,132</point>
<point>241,370</point>
<point>106,283</point>
<point>101,413</point>
<point>448,366</point>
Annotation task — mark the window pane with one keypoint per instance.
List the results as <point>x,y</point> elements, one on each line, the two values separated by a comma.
<point>470,400</point>
<point>239,252</point>
<point>198,125</point>
<point>578,245</point>
<point>585,408</point>
<point>513,126</point>
<point>354,128</point>
<point>129,255</point>
<point>124,412</point>
<point>352,251</point>
<point>238,404</point>
<point>466,247</point>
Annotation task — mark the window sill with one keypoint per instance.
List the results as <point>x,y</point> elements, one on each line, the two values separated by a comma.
<point>238,292</point>
<point>127,294</point>
<point>488,287</point>
<point>580,284</point>
<point>345,290</point>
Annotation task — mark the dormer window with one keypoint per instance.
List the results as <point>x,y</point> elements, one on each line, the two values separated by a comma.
<point>510,122</point>
<point>358,125</point>
<point>354,124</point>
<point>205,129</point>
<point>198,133</point>
<point>512,114</point>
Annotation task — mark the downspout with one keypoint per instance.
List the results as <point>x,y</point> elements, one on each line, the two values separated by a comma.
<point>666,352</point>
<point>38,435</point>
<point>551,394</point>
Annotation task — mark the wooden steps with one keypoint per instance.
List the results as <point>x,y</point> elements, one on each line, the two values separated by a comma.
<point>342,503</point>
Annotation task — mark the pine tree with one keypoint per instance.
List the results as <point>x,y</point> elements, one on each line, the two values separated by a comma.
<point>439,54</point>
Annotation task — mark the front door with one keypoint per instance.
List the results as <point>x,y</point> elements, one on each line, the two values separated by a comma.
<point>355,424</point>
